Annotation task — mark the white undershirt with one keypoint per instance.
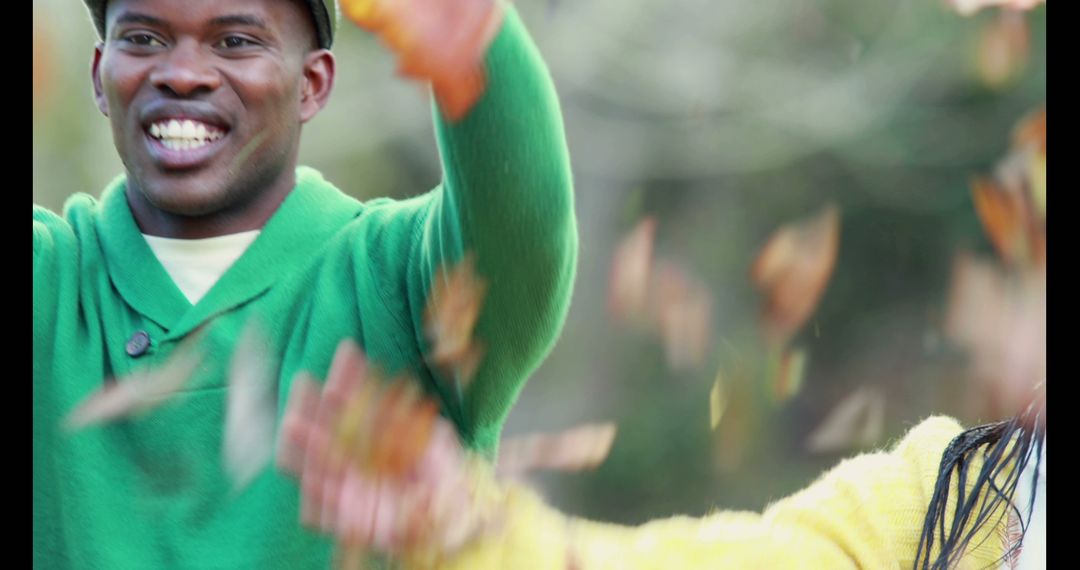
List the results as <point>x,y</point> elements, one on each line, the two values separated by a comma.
<point>1033,549</point>
<point>196,264</point>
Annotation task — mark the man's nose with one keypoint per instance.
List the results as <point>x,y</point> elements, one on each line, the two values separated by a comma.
<point>186,71</point>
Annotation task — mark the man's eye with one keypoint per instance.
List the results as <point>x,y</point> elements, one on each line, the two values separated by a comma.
<point>143,40</point>
<point>233,42</point>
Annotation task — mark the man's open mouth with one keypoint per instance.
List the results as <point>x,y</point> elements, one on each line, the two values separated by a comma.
<point>184,134</point>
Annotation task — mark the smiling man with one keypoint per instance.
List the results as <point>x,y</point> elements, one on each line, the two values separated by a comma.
<point>213,225</point>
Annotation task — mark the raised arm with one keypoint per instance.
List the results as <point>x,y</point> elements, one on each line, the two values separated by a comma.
<point>865,513</point>
<point>507,198</point>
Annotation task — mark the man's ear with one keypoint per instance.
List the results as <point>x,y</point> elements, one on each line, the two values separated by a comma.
<point>318,83</point>
<point>95,78</point>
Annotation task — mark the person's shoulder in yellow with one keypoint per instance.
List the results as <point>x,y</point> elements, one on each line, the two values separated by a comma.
<point>867,512</point>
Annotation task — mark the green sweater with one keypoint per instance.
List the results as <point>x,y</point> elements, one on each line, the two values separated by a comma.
<point>150,491</point>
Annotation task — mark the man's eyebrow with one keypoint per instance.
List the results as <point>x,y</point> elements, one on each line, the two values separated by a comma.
<point>239,20</point>
<point>137,18</point>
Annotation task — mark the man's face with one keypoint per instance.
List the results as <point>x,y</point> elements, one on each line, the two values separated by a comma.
<point>206,99</point>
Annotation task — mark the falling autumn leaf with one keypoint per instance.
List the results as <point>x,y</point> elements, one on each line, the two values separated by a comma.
<point>735,429</point>
<point>450,317</point>
<point>1031,131</point>
<point>717,402</point>
<point>137,393</point>
<point>440,41</point>
<point>1003,49</point>
<point>660,296</point>
<point>1002,214</point>
<point>1029,145</point>
<point>251,409</point>
<point>1012,205</point>
<point>793,270</point>
<point>683,310</point>
<point>1000,319</point>
<point>631,272</point>
<point>788,371</point>
<point>579,448</point>
<point>857,421</point>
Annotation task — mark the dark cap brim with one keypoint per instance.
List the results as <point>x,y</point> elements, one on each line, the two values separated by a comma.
<point>325,18</point>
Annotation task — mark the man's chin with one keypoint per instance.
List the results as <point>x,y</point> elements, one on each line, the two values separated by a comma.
<point>189,199</point>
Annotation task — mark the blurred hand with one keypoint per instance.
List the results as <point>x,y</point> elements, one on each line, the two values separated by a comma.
<point>379,469</point>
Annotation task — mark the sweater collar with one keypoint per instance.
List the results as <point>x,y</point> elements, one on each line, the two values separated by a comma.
<point>313,212</point>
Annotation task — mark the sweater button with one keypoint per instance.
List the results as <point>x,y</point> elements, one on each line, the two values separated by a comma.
<point>139,343</point>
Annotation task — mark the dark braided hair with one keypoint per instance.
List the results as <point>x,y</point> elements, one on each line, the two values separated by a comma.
<point>1006,448</point>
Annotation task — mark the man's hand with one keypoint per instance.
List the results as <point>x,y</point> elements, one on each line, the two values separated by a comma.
<point>379,469</point>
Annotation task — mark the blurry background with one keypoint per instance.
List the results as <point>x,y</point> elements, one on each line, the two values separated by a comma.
<point>724,121</point>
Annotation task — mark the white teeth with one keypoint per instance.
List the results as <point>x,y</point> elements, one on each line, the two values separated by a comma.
<point>184,135</point>
<point>182,144</point>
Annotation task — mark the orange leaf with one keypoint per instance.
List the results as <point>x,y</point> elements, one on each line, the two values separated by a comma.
<point>792,271</point>
<point>450,319</point>
<point>439,41</point>
<point>1031,131</point>
<point>1001,213</point>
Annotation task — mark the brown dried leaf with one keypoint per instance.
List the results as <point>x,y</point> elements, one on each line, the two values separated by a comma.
<point>793,270</point>
<point>450,319</point>
<point>1012,206</point>
<point>1029,143</point>
<point>440,41</point>
<point>1002,214</point>
<point>1031,131</point>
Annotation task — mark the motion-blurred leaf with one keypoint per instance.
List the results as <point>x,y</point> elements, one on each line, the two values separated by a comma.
<point>251,409</point>
<point>575,449</point>
<point>138,393</point>
<point>793,270</point>
<point>857,421</point>
<point>440,41</point>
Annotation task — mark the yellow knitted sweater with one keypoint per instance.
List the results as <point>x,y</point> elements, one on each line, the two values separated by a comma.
<point>867,512</point>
